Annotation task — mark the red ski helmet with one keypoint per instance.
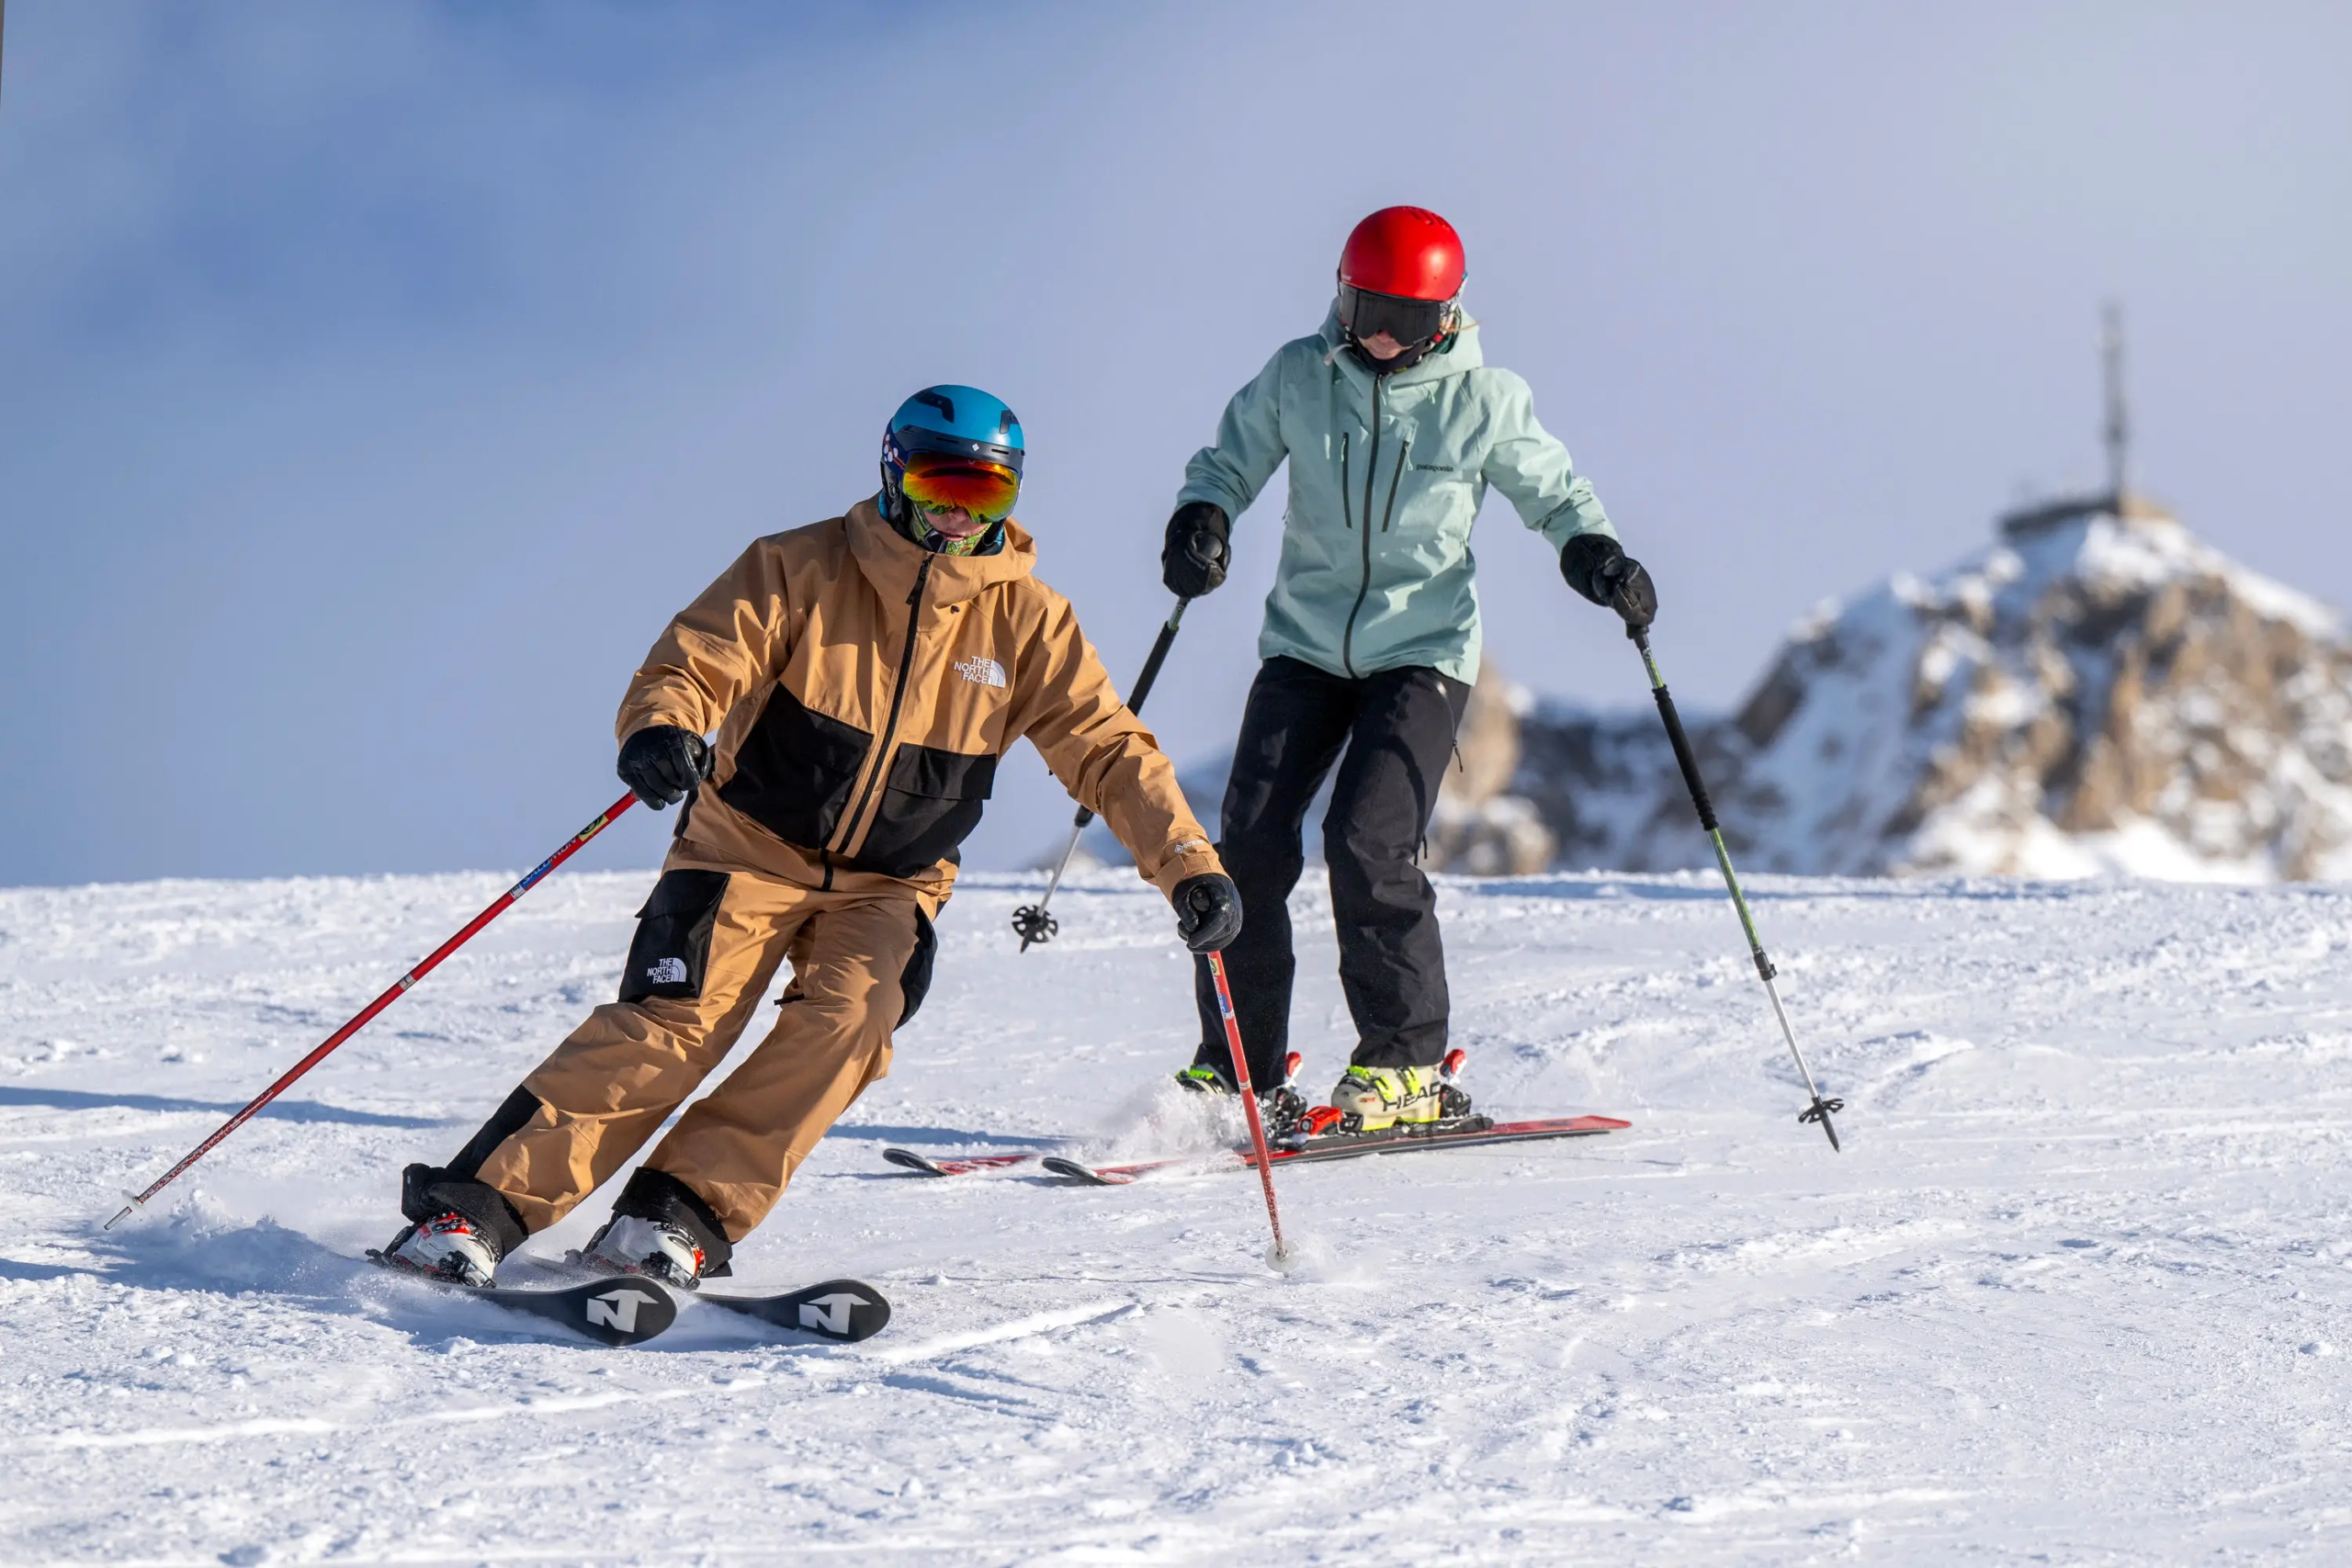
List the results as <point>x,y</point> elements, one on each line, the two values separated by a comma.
<point>1407,252</point>
<point>1399,274</point>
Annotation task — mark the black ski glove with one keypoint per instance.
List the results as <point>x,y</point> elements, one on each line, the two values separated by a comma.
<point>1193,561</point>
<point>1598,566</point>
<point>661,762</point>
<point>1209,911</point>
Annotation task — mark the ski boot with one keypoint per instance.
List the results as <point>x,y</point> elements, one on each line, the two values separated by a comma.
<point>1280,1107</point>
<point>1372,1099</point>
<point>631,1244</point>
<point>447,1246</point>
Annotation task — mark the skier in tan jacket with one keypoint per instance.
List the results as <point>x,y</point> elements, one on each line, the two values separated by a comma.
<point>863,675</point>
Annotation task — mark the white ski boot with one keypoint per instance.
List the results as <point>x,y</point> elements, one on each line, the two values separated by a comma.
<point>631,1245</point>
<point>447,1246</point>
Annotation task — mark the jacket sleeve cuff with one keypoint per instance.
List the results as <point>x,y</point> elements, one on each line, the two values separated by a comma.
<point>632,722</point>
<point>1214,495</point>
<point>1186,857</point>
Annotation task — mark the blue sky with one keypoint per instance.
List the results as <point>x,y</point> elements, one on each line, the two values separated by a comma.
<point>375,381</point>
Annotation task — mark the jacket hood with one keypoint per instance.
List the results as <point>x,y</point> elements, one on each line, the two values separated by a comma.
<point>1460,357</point>
<point>889,561</point>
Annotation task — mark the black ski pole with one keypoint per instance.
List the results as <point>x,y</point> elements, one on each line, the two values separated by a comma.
<point>1688,761</point>
<point>1031,920</point>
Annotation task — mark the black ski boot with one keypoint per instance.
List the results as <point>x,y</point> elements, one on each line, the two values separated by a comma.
<point>1280,1107</point>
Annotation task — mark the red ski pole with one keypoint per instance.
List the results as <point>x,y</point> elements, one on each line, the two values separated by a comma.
<point>432,960</point>
<point>1248,1103</point>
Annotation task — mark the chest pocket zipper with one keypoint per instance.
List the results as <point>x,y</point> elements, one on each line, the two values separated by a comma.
<point>1347,519</point>
<point>1389,511</point>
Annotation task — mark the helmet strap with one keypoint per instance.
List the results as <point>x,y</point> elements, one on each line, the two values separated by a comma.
<point>896,507</point>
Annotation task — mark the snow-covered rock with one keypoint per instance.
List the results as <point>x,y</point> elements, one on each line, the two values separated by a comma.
<point>2095,692</point>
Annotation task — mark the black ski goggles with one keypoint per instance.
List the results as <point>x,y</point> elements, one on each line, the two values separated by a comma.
<point>1367,315</point>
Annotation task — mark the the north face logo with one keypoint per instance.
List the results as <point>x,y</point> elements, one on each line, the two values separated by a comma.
<point>668,971</point>
<point>981,671</point>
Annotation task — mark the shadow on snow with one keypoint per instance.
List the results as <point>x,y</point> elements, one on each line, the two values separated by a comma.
<point>282,1111</point>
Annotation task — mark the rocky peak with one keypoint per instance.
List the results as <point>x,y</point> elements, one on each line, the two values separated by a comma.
<point>2095,692</point>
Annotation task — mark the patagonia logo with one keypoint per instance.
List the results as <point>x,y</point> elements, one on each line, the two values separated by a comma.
<point>668,971</point>
<point>981,671</point>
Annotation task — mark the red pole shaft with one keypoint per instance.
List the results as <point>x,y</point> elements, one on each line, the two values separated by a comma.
<point>1249,1100</point>
<point>359,1020</point>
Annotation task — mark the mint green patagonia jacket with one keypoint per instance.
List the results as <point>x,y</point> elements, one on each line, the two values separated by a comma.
<point>1386,475</point>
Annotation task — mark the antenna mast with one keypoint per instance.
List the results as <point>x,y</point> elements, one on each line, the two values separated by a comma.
<point>2118,428</point>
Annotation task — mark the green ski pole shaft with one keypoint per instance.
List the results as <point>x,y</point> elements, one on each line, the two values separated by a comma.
<point>1688,761</point>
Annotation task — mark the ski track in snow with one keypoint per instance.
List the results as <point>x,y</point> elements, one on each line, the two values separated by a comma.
<point>2077,1292</point>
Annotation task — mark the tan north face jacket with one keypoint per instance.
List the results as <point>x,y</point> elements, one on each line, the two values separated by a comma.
<point>863,689</point>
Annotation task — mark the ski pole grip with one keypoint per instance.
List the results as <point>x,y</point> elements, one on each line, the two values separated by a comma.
<point>1159,657</point>
<point>1685,759</point>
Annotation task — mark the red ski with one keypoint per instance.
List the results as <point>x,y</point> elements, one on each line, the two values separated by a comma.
<point>961,1164</point>
<point>1474,1132</point>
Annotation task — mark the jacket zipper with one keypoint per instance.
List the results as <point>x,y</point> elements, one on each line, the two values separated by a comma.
<point>898,699</point>
<point>1371,470</point>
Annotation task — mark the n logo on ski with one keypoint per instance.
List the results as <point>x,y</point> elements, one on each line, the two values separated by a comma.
<point>616,1309</point>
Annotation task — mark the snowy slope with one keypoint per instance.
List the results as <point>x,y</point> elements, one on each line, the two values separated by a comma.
<point>2075,1294</point>
<point>2092,694</point>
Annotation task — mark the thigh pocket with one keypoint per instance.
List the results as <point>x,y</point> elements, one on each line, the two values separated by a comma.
<point>914,980</point>
<point>672,951</point>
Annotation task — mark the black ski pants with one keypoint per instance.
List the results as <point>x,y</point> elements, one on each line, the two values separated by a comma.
<point>1396,729</point>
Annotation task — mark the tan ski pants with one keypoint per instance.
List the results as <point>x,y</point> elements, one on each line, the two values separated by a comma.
<point>709,942</point>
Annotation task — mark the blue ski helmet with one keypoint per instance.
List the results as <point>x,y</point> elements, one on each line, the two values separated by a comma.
<point>963,444</point>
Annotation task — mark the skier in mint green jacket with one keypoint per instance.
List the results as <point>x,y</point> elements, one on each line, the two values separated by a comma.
<point>1393,426</point>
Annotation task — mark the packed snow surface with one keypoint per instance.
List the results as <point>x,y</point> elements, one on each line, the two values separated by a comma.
<point>2075,1291</point>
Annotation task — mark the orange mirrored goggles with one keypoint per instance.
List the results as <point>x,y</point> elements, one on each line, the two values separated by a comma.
<point>940,481</point>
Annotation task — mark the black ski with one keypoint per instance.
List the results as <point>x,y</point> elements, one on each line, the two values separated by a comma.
<point>846,1310</point>
<point>619,1311</point>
